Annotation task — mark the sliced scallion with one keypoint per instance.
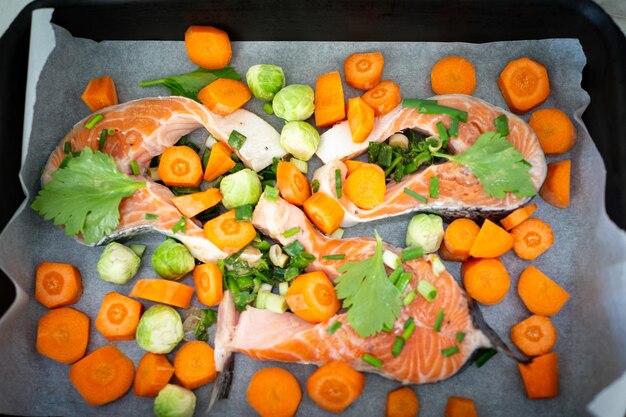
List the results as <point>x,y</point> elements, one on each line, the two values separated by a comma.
<point>403,281</point>
<point>438,321</point>
<point>315,185</point>
<point>398,345</point>
<point>338,182</point>
<point>271,193</point>
<point>454,128</point>
<point>484,356</point>
<point>243,213</point>
<point>450,351</point>
<point>93,121</point>
<point>408,299</point>
<point>460,336</point>
<point>283,287</point>
<point>415,102</point>
<point>111,132</point>
<point>427,290</point>
<point>409,254</point>
<point>103,139</point>
<point>430,108</point>
<point>443,134</point>
<point>236,139</point>
<point>409,328</point>
<point>303,166</point>
<point>292,232</point>
<point>416,196</point>
<point>180,226</point>
<point>336,257</point>
<point>205,157</point>
<point>333,327</point>
<point>372,360</point>
<point>295,248</point>
<point>337,234</point>
<point>396,274</point>
<point>433,187</point>
<point>502,124</point>
<point>150,216</point>
<point>134,167</point>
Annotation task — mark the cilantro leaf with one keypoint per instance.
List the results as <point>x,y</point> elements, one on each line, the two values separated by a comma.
<point>85,195</point>
<point>189,84</point>
<point>370,297</point>
<point>496,163</point>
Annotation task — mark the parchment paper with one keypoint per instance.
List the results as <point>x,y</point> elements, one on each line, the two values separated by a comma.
<point>587,258</point>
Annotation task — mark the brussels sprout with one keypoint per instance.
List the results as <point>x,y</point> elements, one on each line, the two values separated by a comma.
<point>118,263</point>
<point>172,260</point>
<point>425,231</point>
<point>294,102</point>
<point>299,139</point>
<point>174,401</point>
<point>241,188</point>
<point>265,80</point>
<point>160,329</point>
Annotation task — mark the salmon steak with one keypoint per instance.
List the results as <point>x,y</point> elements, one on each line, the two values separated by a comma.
<point>460,192</point>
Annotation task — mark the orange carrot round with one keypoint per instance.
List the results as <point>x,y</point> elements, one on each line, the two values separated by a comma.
<point>491,241</point>
<point>154,372</point>
<point>228,234</point>
<point>163,291</point>
<point>100,93</point>
<point>366,186</point>
<point>446,255</point>
<point>555,131</point>
<point>383,98</point>
<point>360,119</point>
<point>207,279</point>
<point>524,84</point>
<point>534,336</point>
<point>453,75</point>
<point>63,334</point>
<point>539,293</point>
<point>352,165</point>
<point>329,101</point>
<point>459,237</point>
<point>180,166</point>
<point>103,376</point>
<point>541,376</point>
<point>57,285</point>
<point>195,203</point>
<point>274,392</point>
<point>363,71</point>
<point>556,188</point>
<point>486,280</point>
<point>208,47</point>
<point>118,317</point>
<point>460,407</point>
<point>224,96</point>
<point>518,216</point>
<point>324,211</point>
<point>194,364</point>
<point>292,183</point>
<point>219,162</point>
<point>532,237</point>
<point>334,386</point>
<point>402,403</point>
<point>312,297</point>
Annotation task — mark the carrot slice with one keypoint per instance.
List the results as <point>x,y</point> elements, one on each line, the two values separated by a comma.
<point>518,216</point>
<point>228,234</point>
<point>118,317</point>
<point>486,280</point>
<point>532,238</point>
<point>180,166</point>
<point>402,403</point>
<point>100,93</point>
<point>274,392</point>
<point>460,236</point>
<point>352,165</point>
<point>556,188</point>
<point>163,291</point>
<point>292,183</point>
<point>360,119</point>
<point>207,279</point>
<point>63,334</point>
<point>208,47</point>
<point>524,84</point>
<point>224,96</point>
<point>491,241</point>
<point>329,102</point>
<point>541,376</point>
<point>194,364</point>
<point>195,203</point>
<point>363,71</point>
<point>312,297</point>
<point>383,98</point>
<point>554,129</point>
<point>334,386</point>
<point>534,336</point>
<point>453,75</point>
<point>57,285</point>
<point>460,407</point>
<point>324,211</point>
<point>446,255</point>
<point>219,162</point>
<point>103,376</point>
<point>539,293</point>
<point>366,186</point>
<point>154,372</point>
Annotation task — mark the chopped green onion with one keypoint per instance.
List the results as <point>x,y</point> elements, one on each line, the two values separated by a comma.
<point>396,274</point>
<point>261,299</point>
<point>450,351</point>
<point>409,328</point>
<point>268,108</point>
<point>232,285</point>
<point>271,193</point>
<point>243,213</point>
<point>416,195</point>
<point>245,282</point>
<point>301,165</point>
<point>398,345</point>
<point>333,327</point>
<point>205,158</point>
<point>294,248</point>
<point>236,139</point>
<point>372,151</point>
<point>430,108</point>
<point>438,321</point>
<point>454,128</point>
<point>67,147</point>
<point>178,191</point>
<point>393,165</point>
<point>93,121</point>
<point>193,146</point>
<point>134,167</point>
<point>415,102</point>
<point>403,281</point>
<point>282,288</point>
<point>385,155</point>
<point>182,141</point>
<point>427,290</point>
<point>502,124</point>
<point>372,360</point>
<point>337,234</point>
<point>433,187</point>
<point>443,134</point>
<point>409,254</point>
<point>484,356</point>
<point>338,182</point>
<point>387,329</point>
<point>292,232</point>
<point>111,132</point>
<point>336,257</point>
<point>180,226</point>
<point>409,298</point>
<point>137,248</point>
<point>460,336</point>
<point>391,260</point>
<point>150,216</point>
<point>102,140</point>
<point>315,185</point>
<point>221,266</point>
<point>262,245</point>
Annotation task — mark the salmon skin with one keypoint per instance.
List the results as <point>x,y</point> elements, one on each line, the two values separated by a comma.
<point>288,338</point>
<point>460,193</point>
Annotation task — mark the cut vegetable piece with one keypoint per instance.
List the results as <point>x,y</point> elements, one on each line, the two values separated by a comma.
<point>224,96</point>
<point>57,285</point>
<point>554,129</point>
<point>360,119</point>
<point>180,166</point>
<point>63,334</point>
<point>460,407</point>
<point>208,47</point>
<point>364,71</point>
<point>324,211</point>
<point>445,254</point>
<point>486,280</point>
<point>524,84</point>
<point>163,291</point>
<point>518,216</point>
<point>556,188</point>
<point>334,386</point>
<point>402,402</point>
<point>539,293</point>
<point>453,75</point>
<point>460,236</point>
<point>383,98</point>
<point>534,336</point>
<point>532,238</point>
<point>312,297</point>
<point>194,364</point>
<point>103,376</point>
<point>219,162</point>
<point>100,93</point>
<point>292,183</point>
<point>207,279</point>
<point>366,186</point>
<point>491,241</point>
<point>118,317</point>
<point>352,165</point>
<point>541,376</point>
<point>154,372</point>
<point>229,235</point>
<point>195,203</point>
<point>330,107</point>
<point>274,392</point>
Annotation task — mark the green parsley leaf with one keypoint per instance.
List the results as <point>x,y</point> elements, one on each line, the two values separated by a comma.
<point>189,85</point>
<point>370,297</point>
<point>496,163</point>
<point>85,195</point>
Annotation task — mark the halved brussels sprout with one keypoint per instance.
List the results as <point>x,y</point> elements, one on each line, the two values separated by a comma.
<point>172,260</point>
<point>174,401</point>
<point>294,102</point>
<point>265,80</point>
<point>160,329</point>
<point>425,231</point>
<point>241,188</point>
<point>300,139</point>
<point>118,263</point>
